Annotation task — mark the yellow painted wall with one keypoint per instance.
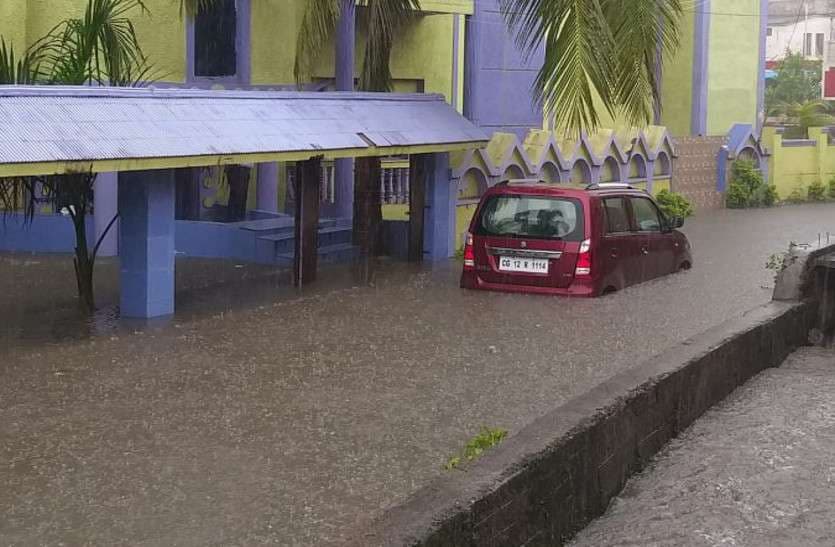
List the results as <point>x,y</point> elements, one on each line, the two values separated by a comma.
<point>161,31</point>
<point>677,84</point>
<point>423,51</point>
<point>792,167</point>
<point>660,184</point>
<point>13,15</point>
<point>463,215</point>
<point>274,30</point>
<point>733,64</point>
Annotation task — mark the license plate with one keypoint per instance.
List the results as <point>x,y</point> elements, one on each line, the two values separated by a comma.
<point>527,265</point>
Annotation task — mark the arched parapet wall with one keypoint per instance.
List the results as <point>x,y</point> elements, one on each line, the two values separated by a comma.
<point>662,166</point>
<point>610,171</point>
<point>637,168</point>
<point>472,184</point>
<point>550,173</point>
<point>743,143</point>
<point>542,148</point>
<point>607,155</point>
<point>504,150</point>
<point>582,172</point>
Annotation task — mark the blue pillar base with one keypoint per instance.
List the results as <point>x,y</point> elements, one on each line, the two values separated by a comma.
<point>267,188</point>
<point>344,182</point>
<point>146,243</point>
<point>441,202</point>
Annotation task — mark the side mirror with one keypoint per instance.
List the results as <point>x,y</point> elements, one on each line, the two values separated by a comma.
<point>676,222</point>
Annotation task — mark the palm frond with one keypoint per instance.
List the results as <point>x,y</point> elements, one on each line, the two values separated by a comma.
<point>18,194</point>
<point>23,69</point>
<point>602,50</point>
<point>578,62</point>
<point>644,31</point>
<point>317,28</point>
<point>100,47</point>
<point>384,18</point>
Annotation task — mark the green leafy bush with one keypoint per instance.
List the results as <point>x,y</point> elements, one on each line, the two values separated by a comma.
<point>831,190</point>
<point>736,197</point>
<point>797,195</point>
<point>747,187</point>
<point>769,195</point>
<point>816,191</point>
<point>674,205</point>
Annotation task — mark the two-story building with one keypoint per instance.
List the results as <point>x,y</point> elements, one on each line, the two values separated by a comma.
<point>460,49</point>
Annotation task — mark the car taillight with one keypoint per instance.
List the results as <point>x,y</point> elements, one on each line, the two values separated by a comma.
<point>584,260</point>
<point>469,253</point>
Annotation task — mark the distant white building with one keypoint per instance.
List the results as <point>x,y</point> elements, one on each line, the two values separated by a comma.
<point>799,26</point>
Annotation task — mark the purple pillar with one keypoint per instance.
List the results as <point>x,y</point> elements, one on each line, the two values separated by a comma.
<point>105,204</point>
<point>266,198</point>
<point>761,69</point>
<point>651,177</point>
<point>146,243</point>
<point>701,45</point>
<point>344,168</point>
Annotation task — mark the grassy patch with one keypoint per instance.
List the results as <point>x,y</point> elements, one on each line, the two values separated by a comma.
<point>485,440</point>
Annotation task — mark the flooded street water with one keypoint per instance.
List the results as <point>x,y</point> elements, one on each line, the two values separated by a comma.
<point>756,470</point>
<point>259,414</point>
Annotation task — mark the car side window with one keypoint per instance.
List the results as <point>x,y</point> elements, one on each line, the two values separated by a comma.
<point>617,219</point>
<point>646,215</point>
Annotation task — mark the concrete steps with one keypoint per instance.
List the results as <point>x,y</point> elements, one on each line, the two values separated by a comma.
<point>278,246</point>
<point>340,252</point>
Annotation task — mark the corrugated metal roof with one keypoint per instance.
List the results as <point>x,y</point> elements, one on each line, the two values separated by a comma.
<point>122,128</point>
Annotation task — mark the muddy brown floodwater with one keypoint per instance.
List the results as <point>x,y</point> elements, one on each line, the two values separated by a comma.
<point>258,414</point>
<point>756,470</point>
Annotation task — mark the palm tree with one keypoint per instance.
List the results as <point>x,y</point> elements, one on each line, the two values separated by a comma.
<point>99,48</point>
<point>800,116</point>
<point>382,18</point>
<point>606,49</point>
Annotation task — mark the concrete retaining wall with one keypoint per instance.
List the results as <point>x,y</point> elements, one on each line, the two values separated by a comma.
<point>549,480</point>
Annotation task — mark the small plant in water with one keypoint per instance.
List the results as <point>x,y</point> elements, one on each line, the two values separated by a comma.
<point>485,440</point>
<point>673,204</point>
<point>797,195</point>
<point>816,191</point>
<point>776,262</point>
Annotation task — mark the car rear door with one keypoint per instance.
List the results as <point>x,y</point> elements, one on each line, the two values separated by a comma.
<point>656,246</point>
<point>526,258</point>
<point>619,244</point>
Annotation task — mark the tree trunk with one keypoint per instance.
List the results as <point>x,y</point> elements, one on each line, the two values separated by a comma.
<point>368,213</point>
<point>238,178</point>
<point>83,265</point>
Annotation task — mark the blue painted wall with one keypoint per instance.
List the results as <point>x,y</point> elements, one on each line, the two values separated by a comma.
<point>498,82</point>
<point>45,234</point>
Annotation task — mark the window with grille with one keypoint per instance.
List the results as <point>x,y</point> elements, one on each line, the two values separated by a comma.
<point>819,44</point>
<point>215,36</point>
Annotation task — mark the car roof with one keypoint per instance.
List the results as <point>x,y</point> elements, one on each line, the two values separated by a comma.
<point>565,190</point>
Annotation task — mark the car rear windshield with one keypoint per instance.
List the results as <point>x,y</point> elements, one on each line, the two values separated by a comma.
<point>532,217</point>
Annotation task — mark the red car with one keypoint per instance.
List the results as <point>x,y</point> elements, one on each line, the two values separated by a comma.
<point>568,240</point>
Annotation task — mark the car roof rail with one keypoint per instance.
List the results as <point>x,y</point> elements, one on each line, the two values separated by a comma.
<point>521,181</point>
<point>610,185</point>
